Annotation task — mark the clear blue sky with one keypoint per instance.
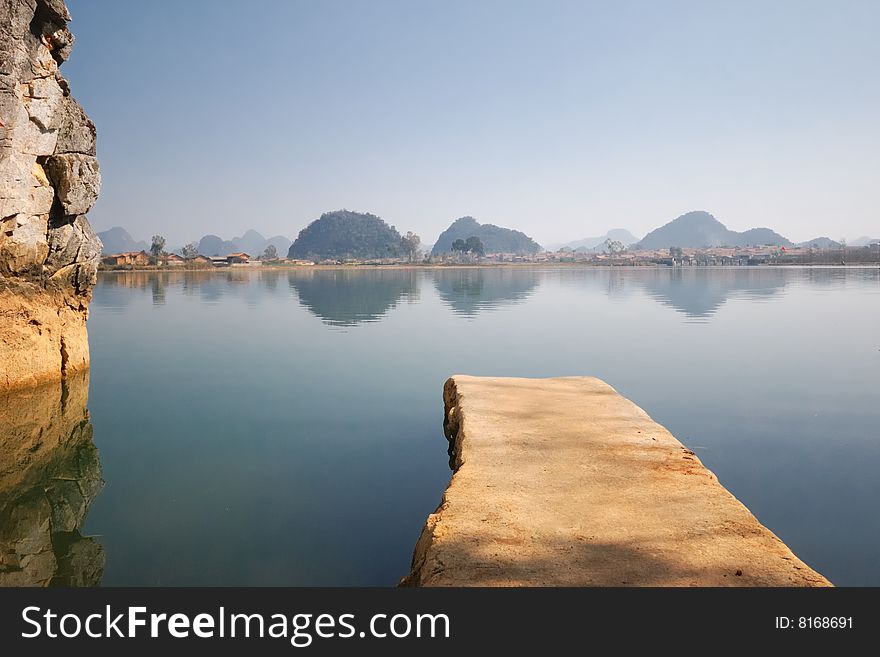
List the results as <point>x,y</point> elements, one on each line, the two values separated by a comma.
<point>562,119</point>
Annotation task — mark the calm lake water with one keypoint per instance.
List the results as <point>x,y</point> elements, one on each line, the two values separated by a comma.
<point>284,427</point>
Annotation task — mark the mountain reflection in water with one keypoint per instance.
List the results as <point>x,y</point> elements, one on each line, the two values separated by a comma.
<point>348,297</point>
<point>469,291</point>
<point>699,292</point>
<point>345,297</point>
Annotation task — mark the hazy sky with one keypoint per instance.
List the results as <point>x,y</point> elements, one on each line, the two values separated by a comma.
<point>562,119</point>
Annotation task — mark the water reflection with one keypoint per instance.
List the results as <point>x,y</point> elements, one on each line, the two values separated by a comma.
<point>838,277</point>
<point>49,474</point>
<point>210,285</point>
<point>262,425</point>
<point>343,297</point>
<point>469,291</point>
<point>347,297</point>
<point>699,292</point>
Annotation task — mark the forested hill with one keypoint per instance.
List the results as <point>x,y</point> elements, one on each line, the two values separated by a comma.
<point>346,235</point>
<point>494,238</point>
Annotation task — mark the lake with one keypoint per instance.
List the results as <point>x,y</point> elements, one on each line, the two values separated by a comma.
<point>284,427</point>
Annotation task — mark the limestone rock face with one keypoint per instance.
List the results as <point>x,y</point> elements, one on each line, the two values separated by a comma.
<point>49,180</point>
<point>76,180</point>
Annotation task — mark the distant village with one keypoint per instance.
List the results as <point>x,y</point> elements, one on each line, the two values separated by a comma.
<point>672,257</point>
<point>726,256</point>
<point>144,260</point>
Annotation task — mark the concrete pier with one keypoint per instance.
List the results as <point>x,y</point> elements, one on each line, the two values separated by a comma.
<point>564,482</point>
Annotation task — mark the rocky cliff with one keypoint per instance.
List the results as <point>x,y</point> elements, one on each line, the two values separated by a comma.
<point>49,179</point>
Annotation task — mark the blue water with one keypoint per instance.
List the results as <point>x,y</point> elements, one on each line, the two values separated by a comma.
<point>284,427</point>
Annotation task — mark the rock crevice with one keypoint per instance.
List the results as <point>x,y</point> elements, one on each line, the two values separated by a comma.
<point>49,180</point>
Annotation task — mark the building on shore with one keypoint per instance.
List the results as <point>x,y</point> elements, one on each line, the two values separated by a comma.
<point>129,258</point>
<point>238,258</point>
<point>172,260</point>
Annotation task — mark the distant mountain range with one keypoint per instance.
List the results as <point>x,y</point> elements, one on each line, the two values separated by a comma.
<point>590,243</point>
<point>494,238</point>
<point>700,229</point>
<point>820,243</point>
<point>118,240</point>
<point>213,245</point>
<point>344,229</point>
<point>252,243</point>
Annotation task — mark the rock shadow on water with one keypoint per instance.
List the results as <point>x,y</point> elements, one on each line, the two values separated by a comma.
<point>468,291</point>
<point>50,472</point>
<point>344,298</point>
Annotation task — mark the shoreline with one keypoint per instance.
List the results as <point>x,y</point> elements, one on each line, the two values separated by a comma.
<point>499,265</point>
